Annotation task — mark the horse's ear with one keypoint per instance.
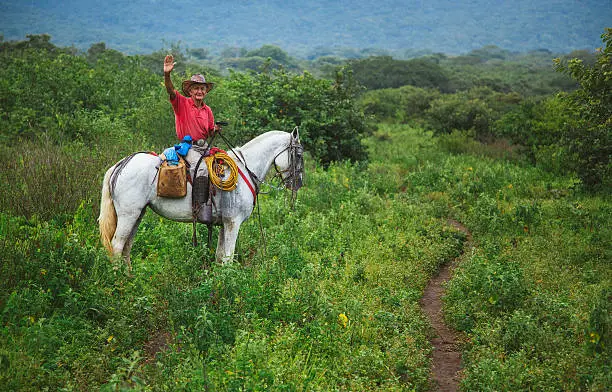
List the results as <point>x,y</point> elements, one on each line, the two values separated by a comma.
<point>295,134</point>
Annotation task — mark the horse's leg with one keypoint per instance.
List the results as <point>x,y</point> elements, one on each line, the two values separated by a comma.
<point>127,224</point>
<point>127,248</point>
<point>227,241</point>
<point>220,245</point>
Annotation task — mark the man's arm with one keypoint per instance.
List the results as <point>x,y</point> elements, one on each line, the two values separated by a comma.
<point>168,67</point>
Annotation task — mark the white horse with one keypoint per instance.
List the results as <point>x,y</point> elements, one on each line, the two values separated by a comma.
<point>131,185</point>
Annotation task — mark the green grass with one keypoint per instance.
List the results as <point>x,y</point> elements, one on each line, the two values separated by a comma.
<point>331,301</point>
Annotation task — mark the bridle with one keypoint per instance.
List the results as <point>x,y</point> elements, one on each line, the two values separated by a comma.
<point>291,177</point>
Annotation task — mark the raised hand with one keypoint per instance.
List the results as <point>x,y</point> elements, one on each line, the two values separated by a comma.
<point>169,63</point>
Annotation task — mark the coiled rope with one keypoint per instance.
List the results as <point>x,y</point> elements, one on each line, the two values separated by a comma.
<point>217,163</point>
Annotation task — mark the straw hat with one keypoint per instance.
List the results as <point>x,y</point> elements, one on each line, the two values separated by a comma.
<point>196,79</point>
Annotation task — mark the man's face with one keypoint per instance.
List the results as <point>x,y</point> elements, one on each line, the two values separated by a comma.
<point>198,92</point>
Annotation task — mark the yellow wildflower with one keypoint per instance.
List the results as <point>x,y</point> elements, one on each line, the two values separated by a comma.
<point>343,320</point>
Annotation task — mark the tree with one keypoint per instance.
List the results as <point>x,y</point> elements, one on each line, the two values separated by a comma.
<point>198,53</point>
<point>99,50</point>
<point>386,72</point>
<point>232,52</point>
<point>271,51</point>
<point>590,138</point>
<point>331,124</point>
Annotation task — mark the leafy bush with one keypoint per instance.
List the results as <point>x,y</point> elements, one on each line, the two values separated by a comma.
<point>572,131</point>
<point>385,72</point>
<point>331,125</point>
<point>474,110</point>
<point>405,104</point>
<point>63,84</point>
<point>538,125</point>
<point>590,139</point>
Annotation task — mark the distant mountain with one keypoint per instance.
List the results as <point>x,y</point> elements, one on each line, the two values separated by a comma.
<point>303,28</point>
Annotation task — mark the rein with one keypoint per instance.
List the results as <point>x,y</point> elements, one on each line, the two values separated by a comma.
<point>295,168</point>
<point>256,181</point>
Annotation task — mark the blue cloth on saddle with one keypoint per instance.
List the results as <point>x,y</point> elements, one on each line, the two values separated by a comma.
<point>183,148</point>
<point>171,156</point>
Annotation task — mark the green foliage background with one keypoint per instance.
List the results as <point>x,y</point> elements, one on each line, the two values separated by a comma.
<point>330,299</point>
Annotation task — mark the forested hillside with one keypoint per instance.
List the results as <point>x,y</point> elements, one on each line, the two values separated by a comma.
<point>314,28</point>
<point>323,296</point>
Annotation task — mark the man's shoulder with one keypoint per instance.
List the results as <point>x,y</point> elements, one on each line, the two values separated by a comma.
<point>178,96</point>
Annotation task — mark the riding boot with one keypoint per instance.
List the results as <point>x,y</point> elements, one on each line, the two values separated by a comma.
<point>202,199</point>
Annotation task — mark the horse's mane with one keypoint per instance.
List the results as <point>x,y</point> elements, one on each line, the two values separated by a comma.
<point>260,138</point>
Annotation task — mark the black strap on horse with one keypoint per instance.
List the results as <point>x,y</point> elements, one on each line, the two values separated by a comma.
<point>195,206</point>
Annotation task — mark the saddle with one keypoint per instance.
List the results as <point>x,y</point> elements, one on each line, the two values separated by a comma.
<point>210,165</point>
<point>174,173</point>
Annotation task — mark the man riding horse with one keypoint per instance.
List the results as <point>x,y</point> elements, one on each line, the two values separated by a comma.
<point>129,186</point>
<point>192,116</point>
<point>195,123</point>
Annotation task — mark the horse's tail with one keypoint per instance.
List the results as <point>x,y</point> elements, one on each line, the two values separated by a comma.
<point>108,215</point>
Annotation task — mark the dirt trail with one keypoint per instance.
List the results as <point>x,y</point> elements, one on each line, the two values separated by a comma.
<point>446,344</point>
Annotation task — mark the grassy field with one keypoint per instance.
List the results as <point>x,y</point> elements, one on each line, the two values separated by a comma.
<point>328,298</point>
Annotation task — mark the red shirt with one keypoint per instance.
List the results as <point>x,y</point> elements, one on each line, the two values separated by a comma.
<point>190,119</point>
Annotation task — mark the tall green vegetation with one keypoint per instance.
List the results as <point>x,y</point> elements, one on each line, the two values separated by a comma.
<point>316,308</point>
<point>327,297</point>
<point>589,138</point>
<point>559,120</point>
<point>331,125</point>
<point>385,72</point>
<point>332,299</point>
<point>571,131</point>
<point>59,109</point>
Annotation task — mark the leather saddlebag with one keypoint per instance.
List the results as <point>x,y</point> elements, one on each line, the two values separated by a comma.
<point>172,180</point>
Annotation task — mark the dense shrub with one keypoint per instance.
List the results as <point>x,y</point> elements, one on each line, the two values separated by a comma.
<point>538,126</point>
<point>474,110</point>
<point>331,124</point>
<point>571,131</point>
<point>590,138</point>
<point>534,123</point>
<point>385,72</point>
<point>41,90</point>
<point>404,104</point>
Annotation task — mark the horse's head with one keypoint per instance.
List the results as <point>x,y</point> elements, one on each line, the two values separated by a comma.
<point>289,163</point>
